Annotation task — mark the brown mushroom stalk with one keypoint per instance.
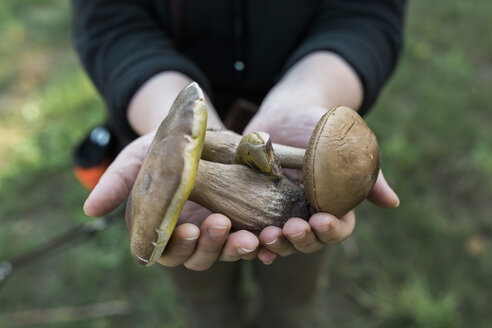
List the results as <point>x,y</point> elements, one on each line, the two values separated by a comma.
<point>250,199</point>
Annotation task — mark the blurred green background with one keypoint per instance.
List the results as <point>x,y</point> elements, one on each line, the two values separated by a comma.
<point>425,264</point>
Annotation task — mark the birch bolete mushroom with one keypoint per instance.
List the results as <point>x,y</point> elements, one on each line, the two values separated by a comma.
<point>172,173</point>
<point>339,166</point>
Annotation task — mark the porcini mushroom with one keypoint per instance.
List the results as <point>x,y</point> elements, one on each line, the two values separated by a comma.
<point>172,173</point>
<point>340,164</point>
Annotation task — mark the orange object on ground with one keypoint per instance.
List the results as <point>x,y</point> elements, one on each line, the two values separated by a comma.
<point>93,156</point>
<point>89,176</point>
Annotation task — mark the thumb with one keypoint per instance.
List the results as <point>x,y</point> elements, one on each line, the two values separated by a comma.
<point>116,183</point>
<point>382,195</point>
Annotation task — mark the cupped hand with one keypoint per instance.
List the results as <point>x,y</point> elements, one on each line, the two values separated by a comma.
<point>200,237</point>
<point>322,229</point>
<point>298,235</point>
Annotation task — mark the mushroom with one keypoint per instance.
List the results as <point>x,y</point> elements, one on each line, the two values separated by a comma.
<point>172,173</point>
<point>255,150</point>
<point>339,166</point>
<point>221,146</point>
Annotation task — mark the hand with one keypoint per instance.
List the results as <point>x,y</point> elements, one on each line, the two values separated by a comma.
<point>197,242</point>
<point>322,229</point>
<point>200,237</point>
<point>297,235</point>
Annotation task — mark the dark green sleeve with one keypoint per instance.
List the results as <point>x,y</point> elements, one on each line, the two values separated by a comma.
<point>121,45</point>
<point>366,33</point>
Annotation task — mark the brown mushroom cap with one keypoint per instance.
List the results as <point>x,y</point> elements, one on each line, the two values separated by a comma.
<point>341,163</point>
<point>160,191</point>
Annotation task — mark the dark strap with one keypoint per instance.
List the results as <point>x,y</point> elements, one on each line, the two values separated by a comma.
<point>177,18</point>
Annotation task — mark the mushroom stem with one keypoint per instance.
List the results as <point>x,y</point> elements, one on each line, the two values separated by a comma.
<point>220,147</point>
<point>250,199</point>
<point>289,157</point>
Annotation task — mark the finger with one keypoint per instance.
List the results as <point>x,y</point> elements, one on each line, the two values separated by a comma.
<point>240,244</point>
<point>213,233</point>
<point>116,183</point>
<point>266,256</point>
<point>382,195</point>
<point>331,230</point>
<point>273,239</point>
<point>181,245</point>
<point>251,256</point>
<point>300,235</point>
<point>193,213</point>
<point>294,175</point>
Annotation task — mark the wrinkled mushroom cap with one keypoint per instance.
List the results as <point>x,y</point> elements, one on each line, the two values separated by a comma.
<point>167,176</point>
<point>341,162</point>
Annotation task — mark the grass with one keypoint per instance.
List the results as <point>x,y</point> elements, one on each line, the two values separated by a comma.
<point>425,264</point>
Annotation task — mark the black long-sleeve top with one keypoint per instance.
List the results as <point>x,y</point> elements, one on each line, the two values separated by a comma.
<point>237,47</point>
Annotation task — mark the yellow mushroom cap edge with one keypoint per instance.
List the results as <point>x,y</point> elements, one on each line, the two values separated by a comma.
<point>167,176</point>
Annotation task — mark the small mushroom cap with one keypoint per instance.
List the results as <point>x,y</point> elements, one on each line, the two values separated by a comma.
<point>255,150</point>
<point>167,176</point>
<point>341,163</point>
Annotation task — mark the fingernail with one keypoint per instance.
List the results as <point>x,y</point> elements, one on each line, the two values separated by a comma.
<point>185,242</point>
<point>397,198</point>
<point>86,208</point>
<point>268,263</point>
<point>298,235</point>
<point>321,224</point>
<point>271,242</point>
<point>216,232</point>
<point>394,196</point>
<point>391,191</point>
<point>245,250</point>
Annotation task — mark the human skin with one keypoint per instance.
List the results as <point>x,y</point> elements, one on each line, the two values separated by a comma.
<point>290,111</point>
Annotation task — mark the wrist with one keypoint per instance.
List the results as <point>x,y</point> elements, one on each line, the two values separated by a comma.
<point>321,79</point>
<point>151,103</point>
<point>317,83</point>
<point>291,128</point>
